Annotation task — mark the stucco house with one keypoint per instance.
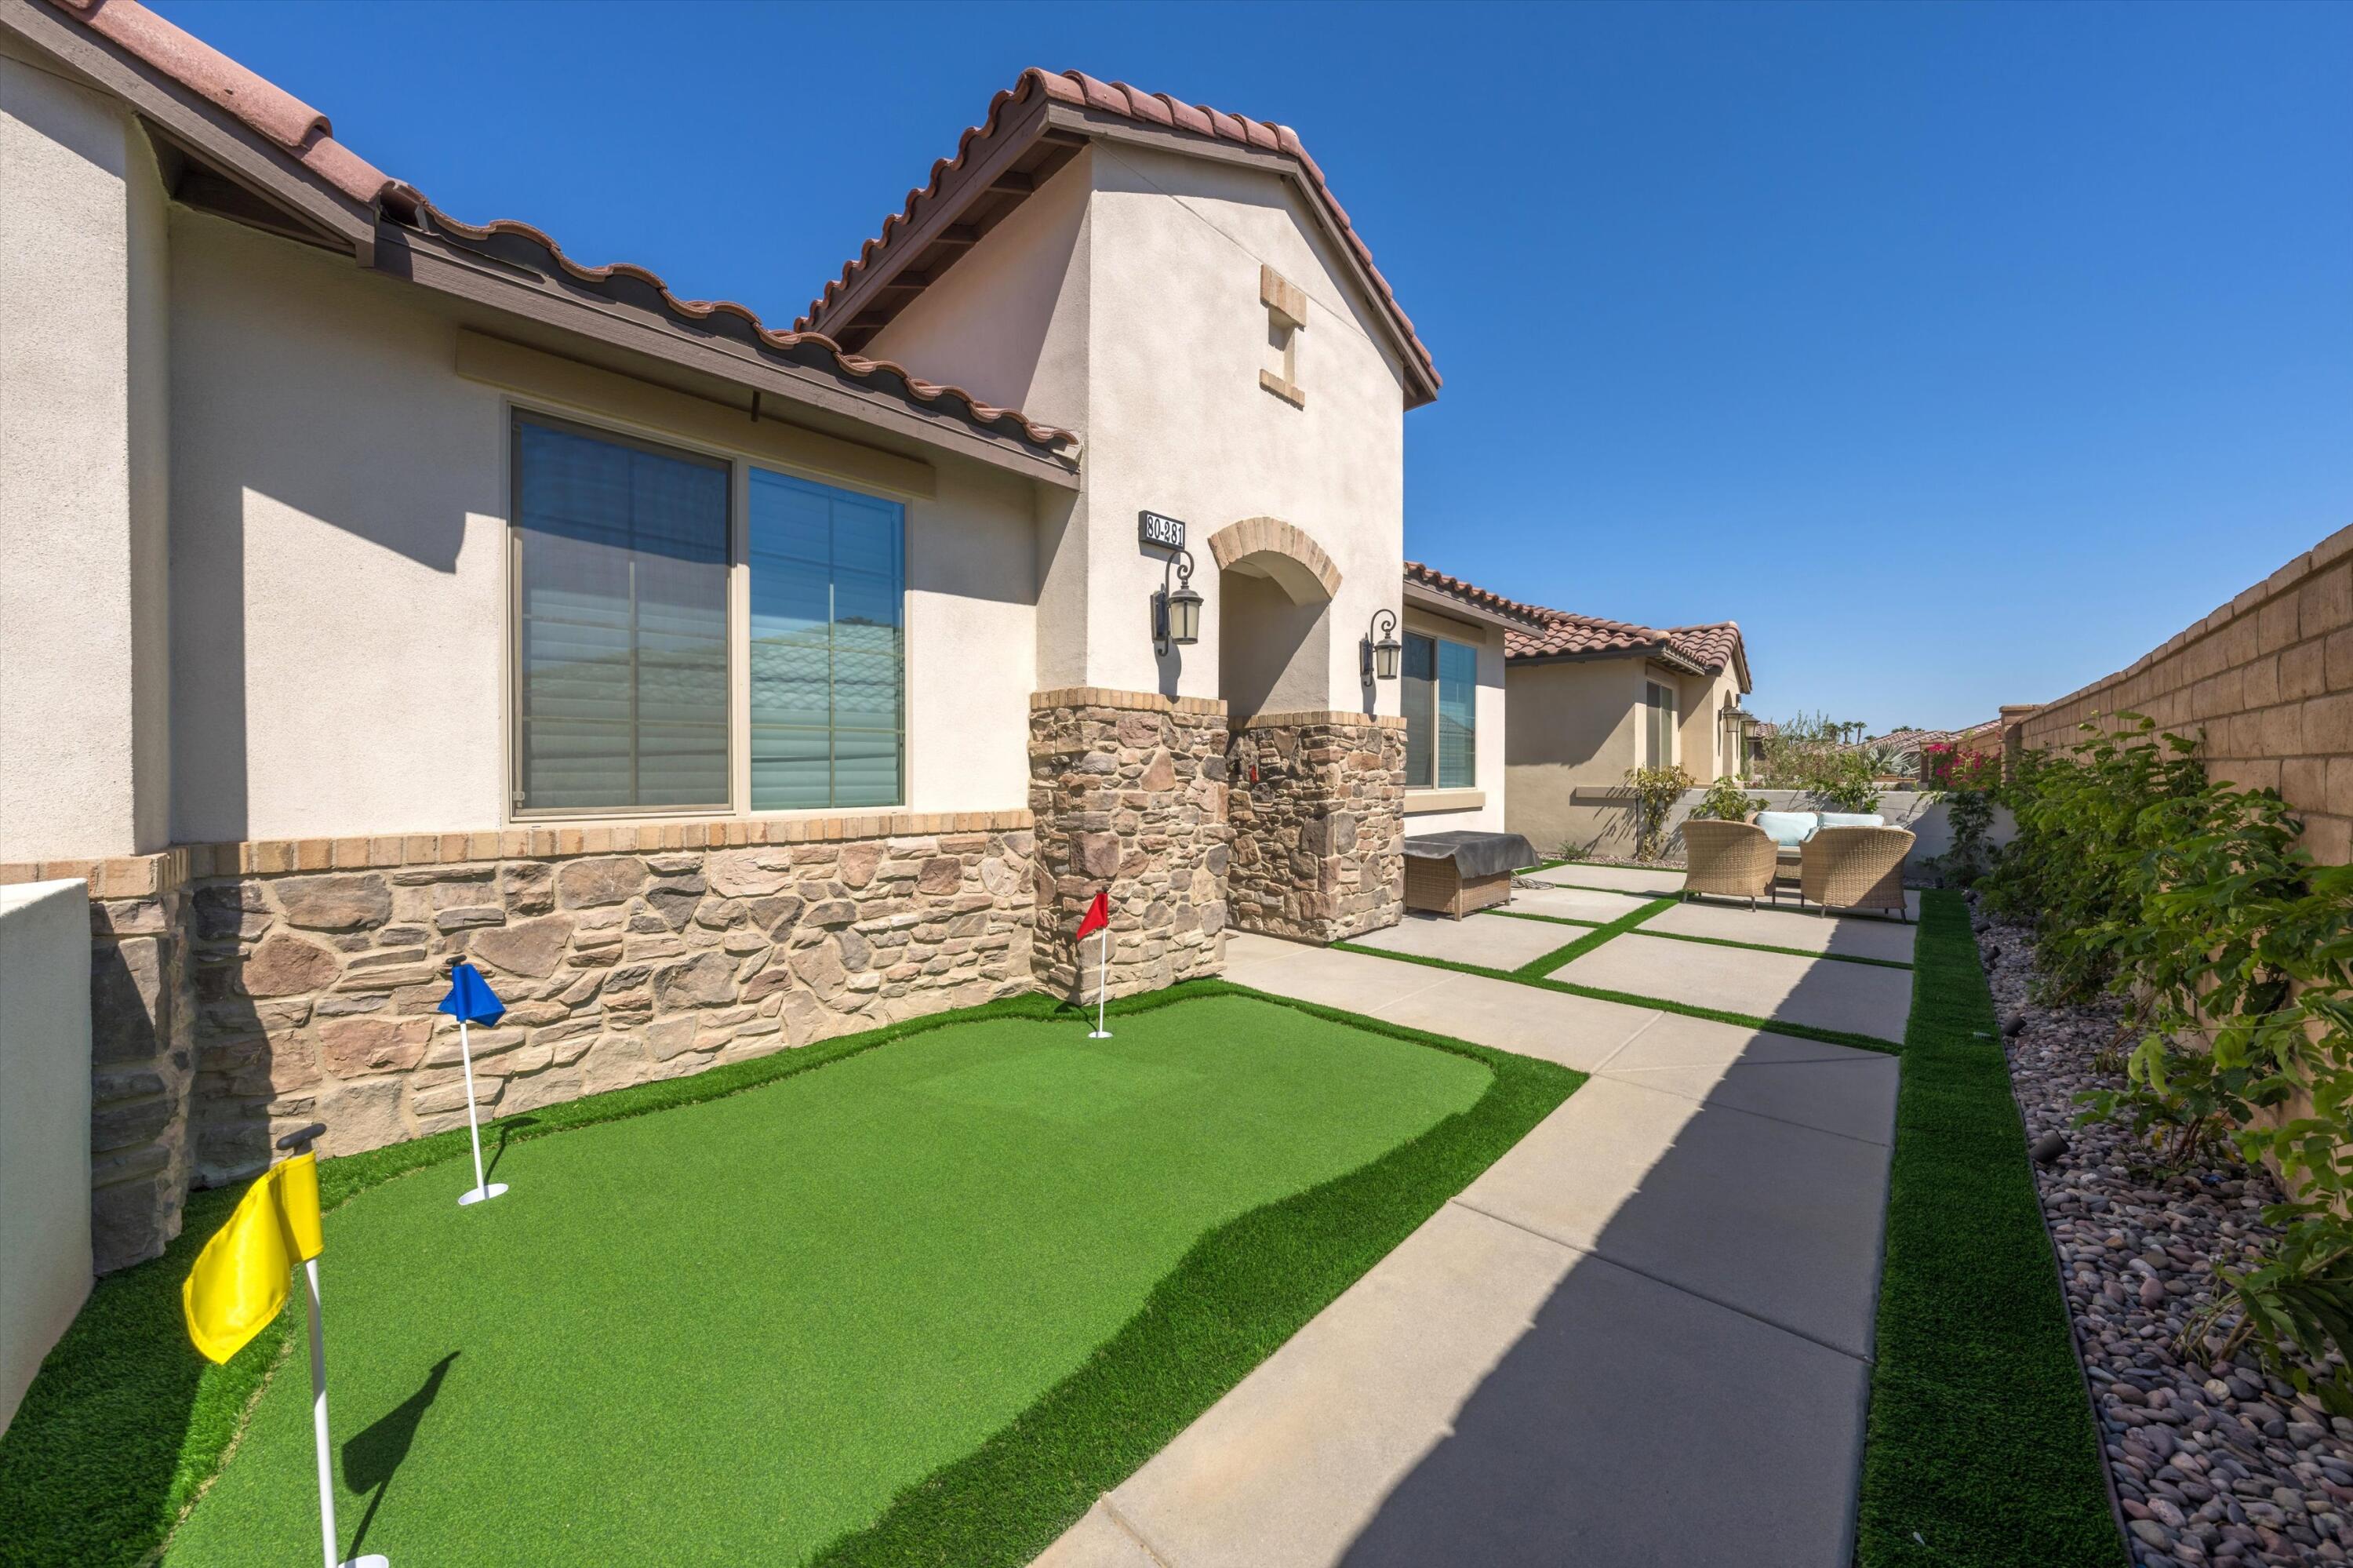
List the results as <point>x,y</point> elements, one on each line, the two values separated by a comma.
<point>378,585</point>
<point>1586,700</point>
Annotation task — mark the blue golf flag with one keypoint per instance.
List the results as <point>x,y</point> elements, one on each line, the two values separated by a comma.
<point>470,997</point>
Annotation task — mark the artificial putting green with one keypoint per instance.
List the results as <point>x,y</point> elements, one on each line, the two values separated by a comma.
<point>745,1329</point>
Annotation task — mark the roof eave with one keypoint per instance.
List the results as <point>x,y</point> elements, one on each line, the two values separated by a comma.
<point>1439,601</point>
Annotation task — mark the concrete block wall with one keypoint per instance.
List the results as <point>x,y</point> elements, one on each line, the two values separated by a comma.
<point>2268,677</point>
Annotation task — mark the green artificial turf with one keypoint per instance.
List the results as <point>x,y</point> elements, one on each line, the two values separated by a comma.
<point>922,1305</point>
<point>1981,1447</point>
<point>1544,964</point>
<point>1710,941</point>
<point>1656,1004</point>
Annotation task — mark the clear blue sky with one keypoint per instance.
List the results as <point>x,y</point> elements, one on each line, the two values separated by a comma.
<point>1960,354</point>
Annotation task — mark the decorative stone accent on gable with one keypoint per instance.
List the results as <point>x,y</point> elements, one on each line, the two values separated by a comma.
<point>232,1004</point>
<point>1318,811</point>
<point>1128,790</point>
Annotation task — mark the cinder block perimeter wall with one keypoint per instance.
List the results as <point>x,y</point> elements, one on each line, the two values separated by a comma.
<point>2268,678</point>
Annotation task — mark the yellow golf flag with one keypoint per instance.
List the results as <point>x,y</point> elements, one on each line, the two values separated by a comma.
<point>241,1278</point>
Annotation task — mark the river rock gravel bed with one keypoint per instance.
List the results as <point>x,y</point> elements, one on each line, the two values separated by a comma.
<point>2212,1465</point>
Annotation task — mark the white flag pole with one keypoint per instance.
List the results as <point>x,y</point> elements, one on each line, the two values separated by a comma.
<point>1103,981</point>
<point>473,1124</point>
<point>319,1430</point>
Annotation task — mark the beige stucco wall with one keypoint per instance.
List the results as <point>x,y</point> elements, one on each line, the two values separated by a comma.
<point>1572,728</point>
<point>45,1094</point>
<point>1700,737</point>
<point>1176,421</point>
<point>83,695</point>
<point>1490,744</point>
<point>340,484</point>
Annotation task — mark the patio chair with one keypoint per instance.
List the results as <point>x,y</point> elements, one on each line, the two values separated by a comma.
<point>1856,868</point>
<point>1728,860</point>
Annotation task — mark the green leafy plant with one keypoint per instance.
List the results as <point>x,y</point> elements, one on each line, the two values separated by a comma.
<point>1969,814</point>
<point>1656,791</point>
<point>1727,800</point>
<point>2195,903</point>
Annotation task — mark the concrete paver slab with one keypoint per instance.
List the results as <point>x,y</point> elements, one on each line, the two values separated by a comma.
<point>1660,882</point>
<point>1299,1456</point>
<point>1862,999</point>
<point>1856,936</point>
<point>1489,942</point>
<point>1774,1220</point>
<point>1855,1099</point>
<point>1098,1540</point>
<point>1575,902</point>
<point>1677,1040</point>
<point>1637,1427</point>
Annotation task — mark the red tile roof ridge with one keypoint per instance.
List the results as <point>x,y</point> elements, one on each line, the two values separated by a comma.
<point>260,104</point>
<point>857,366</point>
<point>306,135</point>
<point>1082,91</point>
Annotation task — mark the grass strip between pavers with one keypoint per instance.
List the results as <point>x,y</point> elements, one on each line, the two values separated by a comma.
<point>1545,963</point>
<point>125,1425</point>
<point>1656,1004</point>
<point>1981,1448</point>
<point>1710,941</point>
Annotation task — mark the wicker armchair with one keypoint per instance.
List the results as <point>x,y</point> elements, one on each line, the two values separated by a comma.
<point>1730,860</point>
<point>1856,868</point>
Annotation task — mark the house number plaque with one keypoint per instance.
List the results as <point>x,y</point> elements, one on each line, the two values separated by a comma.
<point>1166,533</point>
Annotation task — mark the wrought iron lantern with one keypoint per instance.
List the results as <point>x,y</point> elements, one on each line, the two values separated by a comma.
<point>1381,647</point>
<point>1176,612</point>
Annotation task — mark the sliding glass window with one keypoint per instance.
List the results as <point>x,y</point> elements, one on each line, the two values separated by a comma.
<point>620,572</point>
<point>828,655</point>
<point>1440,695</point>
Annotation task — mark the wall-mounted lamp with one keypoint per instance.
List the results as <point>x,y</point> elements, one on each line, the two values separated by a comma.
<point>1381,647</point>
<point>1177,613</point>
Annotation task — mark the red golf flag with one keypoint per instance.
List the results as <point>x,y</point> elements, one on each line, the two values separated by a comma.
<point>1098,915</point>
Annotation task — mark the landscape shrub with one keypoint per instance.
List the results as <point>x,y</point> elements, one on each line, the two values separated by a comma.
<point>1656,791</point>
<point>2194,902</point>
<point>1727,800</point>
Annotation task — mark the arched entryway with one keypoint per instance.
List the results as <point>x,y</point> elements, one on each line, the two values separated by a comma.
<point>1275,587</point>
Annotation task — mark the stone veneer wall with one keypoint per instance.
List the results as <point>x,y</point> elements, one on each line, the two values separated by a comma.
<point>2267,678</point>
<point>239,990</point>
<point>1128,792</point>
<point>1318,824</point>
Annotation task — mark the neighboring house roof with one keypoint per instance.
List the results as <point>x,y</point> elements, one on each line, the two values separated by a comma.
<point>1559,634</point>
<point>1437,584</point>
<point>994,169</point>
<point>1913,739</point>
<point>304,135</point>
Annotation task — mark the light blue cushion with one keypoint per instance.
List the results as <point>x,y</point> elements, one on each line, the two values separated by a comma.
<point>1852,820</point>
<point>1788,828</point>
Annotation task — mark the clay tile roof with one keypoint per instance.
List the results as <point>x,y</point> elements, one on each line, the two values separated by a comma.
<point>1711,647</point>
<point>298,130</point>
<point>1154,109</point>
<point>304,135</point>
<point>1471,593</point>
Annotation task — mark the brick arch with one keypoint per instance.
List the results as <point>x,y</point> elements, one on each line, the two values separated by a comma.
<point>1270,548</point>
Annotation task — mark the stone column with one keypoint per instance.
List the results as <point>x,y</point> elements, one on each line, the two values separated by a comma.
<point>1318,824</point>
<point>1128,790</point>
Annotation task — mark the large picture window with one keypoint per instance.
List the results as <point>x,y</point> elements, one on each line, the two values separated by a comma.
<point>1440,694</point>
<point>827,658</point>
<point>626,642</point>
<point>621,589</point>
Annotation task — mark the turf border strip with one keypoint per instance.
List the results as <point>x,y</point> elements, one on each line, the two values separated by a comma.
<point>1980,1447</point>
<point>1545,963</point>
<point>1710,941</point>
<point>125,1426</point>
<point>1655,1004</point>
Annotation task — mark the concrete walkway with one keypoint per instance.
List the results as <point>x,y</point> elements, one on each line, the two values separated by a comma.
<point>1641,1337</point>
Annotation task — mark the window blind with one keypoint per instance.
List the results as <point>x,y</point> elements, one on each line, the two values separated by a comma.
<point>827,647</point>
<point>1439,697</point>
<point>622,589</point>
